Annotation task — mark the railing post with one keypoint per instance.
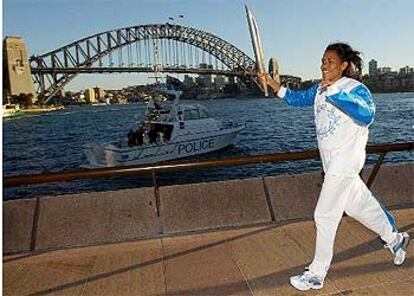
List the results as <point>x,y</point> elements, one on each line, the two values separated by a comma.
<point>156,192</point>
<point>157,201</point>
<point>376,169</point>
<point>35,225</point>
<point>268,201</point>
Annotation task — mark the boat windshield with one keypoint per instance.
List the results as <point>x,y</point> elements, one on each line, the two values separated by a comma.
<point>203,114</point>
<point>194,114</point>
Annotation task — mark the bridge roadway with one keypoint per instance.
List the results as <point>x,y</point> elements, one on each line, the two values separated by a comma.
<point>244,261</point>
<point>177,69</point>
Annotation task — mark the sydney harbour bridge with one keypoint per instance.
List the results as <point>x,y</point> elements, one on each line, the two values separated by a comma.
<point>143,48</point>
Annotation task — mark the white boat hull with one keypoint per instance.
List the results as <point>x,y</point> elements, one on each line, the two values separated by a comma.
<point>196,144</point>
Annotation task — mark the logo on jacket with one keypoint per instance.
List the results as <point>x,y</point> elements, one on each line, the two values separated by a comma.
<point>326,113</point>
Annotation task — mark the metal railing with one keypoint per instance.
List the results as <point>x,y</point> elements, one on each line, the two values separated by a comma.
<point>11,181</point>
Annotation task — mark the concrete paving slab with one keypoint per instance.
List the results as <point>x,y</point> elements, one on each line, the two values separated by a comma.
<point>377,257</point>
<point>202,264</point>
<point>359,258</point>
<point>365,265</point>
<point>205,241</point>
<point>212,205</point>
<point>12,277</point>
<point>123,269</point>
<point>133,269</point>
<point>257,261</point>
<point>43,277</point>
<point>399,288</point>
<point>211,272</point>
<point>269,259</point>
<point>18,218</point>
<point>303,236</point>
<point>94,218</point>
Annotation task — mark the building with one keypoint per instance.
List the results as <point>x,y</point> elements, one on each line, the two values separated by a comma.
<point>386,80</point>
<point>219,82</point>
<point>205,80</point>
<point>189,81</point>
<point>384,70</point>
<point>99,93</point>
<point>373,67</point>
<point>406,71</point>
<point>90,95</point>
<point>273,68</point>
<point>231,80</point>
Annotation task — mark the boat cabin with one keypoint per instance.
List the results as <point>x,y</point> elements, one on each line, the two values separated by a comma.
<point>164,122</point>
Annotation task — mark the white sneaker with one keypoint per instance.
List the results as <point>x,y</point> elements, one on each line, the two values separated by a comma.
<point>399,250</point>
<point>306,280</point>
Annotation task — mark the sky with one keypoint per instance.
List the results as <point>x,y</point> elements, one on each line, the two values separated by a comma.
<point>296,32</point>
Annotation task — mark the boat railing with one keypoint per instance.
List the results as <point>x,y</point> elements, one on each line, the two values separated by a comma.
<point>109,172</point>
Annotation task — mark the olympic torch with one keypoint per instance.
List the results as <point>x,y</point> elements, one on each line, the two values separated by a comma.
<point>258,51</point>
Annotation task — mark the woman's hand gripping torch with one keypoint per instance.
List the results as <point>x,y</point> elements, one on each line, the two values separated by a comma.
<point>273,78</point>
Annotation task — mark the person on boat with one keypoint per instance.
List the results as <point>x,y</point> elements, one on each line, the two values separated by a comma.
<point>136,137</point>
<point>139,135</point>
<point>157,106</point>
<point>160,138</point>
<point>152,134</point>
<point>131,138</point>
<point>145,137</point>
<point>344,109</point>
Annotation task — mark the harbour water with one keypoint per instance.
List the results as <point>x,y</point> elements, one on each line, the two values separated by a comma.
<point>52,142</point>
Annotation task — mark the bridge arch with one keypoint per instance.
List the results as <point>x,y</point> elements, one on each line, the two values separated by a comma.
<point>53,70</point>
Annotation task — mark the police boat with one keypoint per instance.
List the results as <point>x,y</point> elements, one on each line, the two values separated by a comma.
<point>170,130</point>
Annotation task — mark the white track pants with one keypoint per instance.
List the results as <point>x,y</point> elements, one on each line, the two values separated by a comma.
<point>344,191</point>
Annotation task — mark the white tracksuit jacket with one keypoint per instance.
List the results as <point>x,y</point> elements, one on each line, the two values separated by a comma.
<point>343,112</point>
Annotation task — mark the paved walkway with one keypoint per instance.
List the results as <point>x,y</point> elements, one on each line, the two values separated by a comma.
<point>253,261</point>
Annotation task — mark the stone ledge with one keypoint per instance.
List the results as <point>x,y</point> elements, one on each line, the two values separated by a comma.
<point>212,205</point>
<point>96,218</point>
<point>393,185</point>
<point>18,218</point>
<point>294,196</point>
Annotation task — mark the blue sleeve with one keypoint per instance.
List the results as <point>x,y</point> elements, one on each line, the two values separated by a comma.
<point>301,98</point>
<point>357,104</point>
